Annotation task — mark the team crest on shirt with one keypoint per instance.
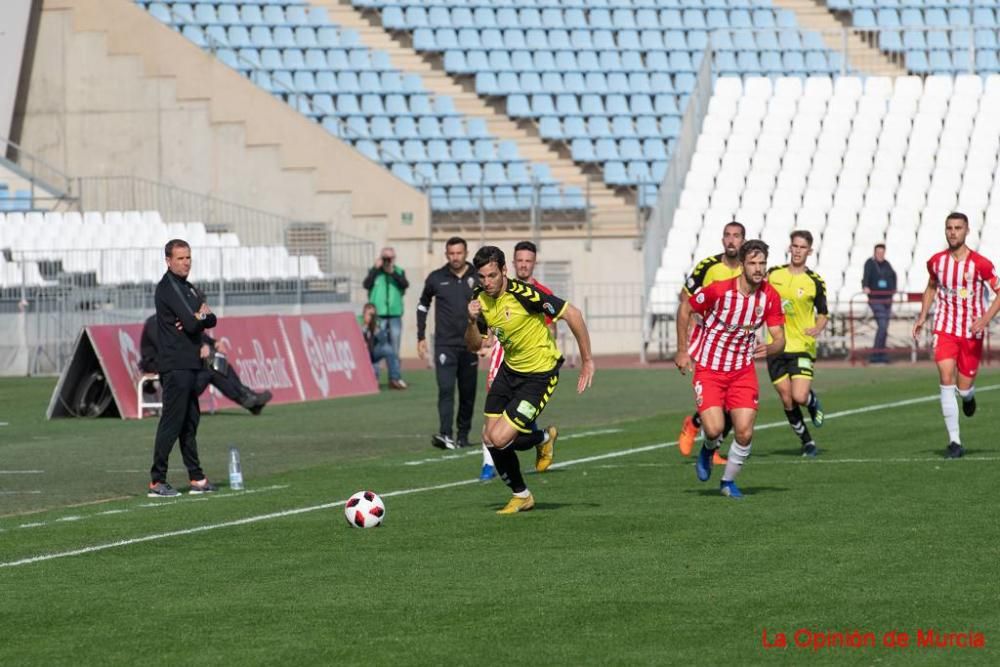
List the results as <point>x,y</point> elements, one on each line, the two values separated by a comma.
<point>759,310</point>
<point>471,282</point>
<point>506,314</point>
<point>801,292</point>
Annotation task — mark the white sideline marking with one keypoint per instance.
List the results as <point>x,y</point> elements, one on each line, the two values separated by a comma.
<point>466,482</point>
<point>22,472</point>
<point>19,493</point>
<point>479,450</point>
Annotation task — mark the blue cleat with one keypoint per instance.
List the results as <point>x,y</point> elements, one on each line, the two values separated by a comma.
<point>816,413</point>
<point>488,473</point>
<point>730,489</point>
<point>810,450</point>
<point>703,466</point>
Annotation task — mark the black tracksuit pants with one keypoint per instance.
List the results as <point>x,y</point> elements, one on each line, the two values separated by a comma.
<point>179,420</point>
<point>456,365</point>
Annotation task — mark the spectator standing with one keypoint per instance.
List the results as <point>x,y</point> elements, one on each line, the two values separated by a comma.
<point>879,283</point>
<point>452,285</point>
<point>386,283</point>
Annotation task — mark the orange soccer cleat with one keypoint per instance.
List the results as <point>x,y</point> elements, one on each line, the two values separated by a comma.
<point>718,459</point>
<point>685,441</point>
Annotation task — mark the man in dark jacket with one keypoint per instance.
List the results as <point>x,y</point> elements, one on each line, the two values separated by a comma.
<point>879,283</point>
<point>182,316</point>
<point>222,376</point>
<point>453,286</point>
<point>386,283</point>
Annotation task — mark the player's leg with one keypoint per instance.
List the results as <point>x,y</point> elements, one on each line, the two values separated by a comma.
<point>743,421</point>
<point>741,400</point>
<point>779,370</point>
<point>488,470</point>
<point>499,434</point>
<point>946,356</point>
<point>446,370</point>
<point>970,353</point>
<point>709,395</point>
<point>802,394</point>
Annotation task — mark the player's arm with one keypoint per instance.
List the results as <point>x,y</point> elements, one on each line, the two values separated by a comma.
<point>682,359</point>
<point>476,330</point>
<point>574,318</point>
<point>422,309</point>
<point>988,275</point>
<point>925,305</point>
<point>777,344</point>
<point>820,305</point>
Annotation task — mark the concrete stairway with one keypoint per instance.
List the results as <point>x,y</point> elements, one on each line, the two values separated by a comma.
<point>609,208</point>
<point>814,15</point>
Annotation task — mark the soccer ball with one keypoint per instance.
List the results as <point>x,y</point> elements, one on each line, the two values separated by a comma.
<point>364,510</point>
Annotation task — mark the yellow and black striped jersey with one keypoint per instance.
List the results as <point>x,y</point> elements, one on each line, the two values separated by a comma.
<point>517,317</point>
<point>708,271</point>
<point>803,296</point>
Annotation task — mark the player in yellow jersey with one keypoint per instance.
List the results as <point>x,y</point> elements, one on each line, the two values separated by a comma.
<point>717,267</point>
<point>516,313</point>
<point>803,298</point>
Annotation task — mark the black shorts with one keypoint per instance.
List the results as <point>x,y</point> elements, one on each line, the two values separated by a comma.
<point>790,365</point>
<point>520,397</point>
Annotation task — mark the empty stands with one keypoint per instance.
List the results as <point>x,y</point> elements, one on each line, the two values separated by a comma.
<point>854,161</point>
<point>127,248</point>
<point>292,50</point>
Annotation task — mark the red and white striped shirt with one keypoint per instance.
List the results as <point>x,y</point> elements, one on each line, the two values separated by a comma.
<point>496,354</point>
<point>958,302</point>
<point>725,338</point>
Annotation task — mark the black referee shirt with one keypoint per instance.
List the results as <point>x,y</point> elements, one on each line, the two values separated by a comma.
<point>451,315</point>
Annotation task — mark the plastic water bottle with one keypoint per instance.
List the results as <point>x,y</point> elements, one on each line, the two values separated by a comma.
<point>235,470</point>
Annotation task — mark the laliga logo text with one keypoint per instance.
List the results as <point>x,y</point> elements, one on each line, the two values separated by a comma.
<point>326,355</point>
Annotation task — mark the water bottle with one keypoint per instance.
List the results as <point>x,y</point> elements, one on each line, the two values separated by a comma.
<point>235,470</point>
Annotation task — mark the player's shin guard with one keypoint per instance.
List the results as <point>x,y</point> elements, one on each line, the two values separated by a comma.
<point>525,441</point>
<point>714,443</point>
<point>509,468</point>
<point>487,459</point>
<point>794,417</point>
<point>737,455</point>
<point>949,409</point>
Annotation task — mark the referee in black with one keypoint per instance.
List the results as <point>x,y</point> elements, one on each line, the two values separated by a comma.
<point>452,285</point>
<point>181,317</point>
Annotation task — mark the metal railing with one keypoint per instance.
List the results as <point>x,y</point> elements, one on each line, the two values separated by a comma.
<point>49,187</point>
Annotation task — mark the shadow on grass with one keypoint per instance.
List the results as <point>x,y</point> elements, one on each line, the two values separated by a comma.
<point>747,490</point>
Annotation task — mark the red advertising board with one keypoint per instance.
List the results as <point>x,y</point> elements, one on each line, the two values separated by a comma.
<point>295,357</point>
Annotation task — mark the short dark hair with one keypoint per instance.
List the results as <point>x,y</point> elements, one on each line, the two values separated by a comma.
<point>168,250</point>
<point>752,248</point>
<point>955,215</point>
<point>526,245</point>
<point>803,234</point>
<point>456,240</point>
<point>487,254</point>
<point>880,245</point>
<point>733,223</point>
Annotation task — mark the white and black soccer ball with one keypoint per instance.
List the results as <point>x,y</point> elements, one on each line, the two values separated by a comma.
<point>364,510</point>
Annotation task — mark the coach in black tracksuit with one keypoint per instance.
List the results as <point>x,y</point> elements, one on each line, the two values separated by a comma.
<point>452,285</point>
<point>182,316</point>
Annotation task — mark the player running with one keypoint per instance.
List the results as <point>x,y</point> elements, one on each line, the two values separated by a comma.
<point>803,298</point>
<point>723,266</point>
<point>525,257</point>
<point>955,286</point>
<point>527,378</point>
<point>724,346</point>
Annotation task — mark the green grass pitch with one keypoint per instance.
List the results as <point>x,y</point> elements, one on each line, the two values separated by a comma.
<point>627,559</point>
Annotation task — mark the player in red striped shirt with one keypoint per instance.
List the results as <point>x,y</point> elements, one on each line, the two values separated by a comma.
<point>956,288</point>
<point>525,254</point>
<point>723,348</point>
